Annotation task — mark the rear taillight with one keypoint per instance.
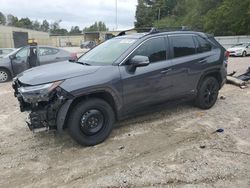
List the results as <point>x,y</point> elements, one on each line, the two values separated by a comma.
<point>226,56</point>
<point>73,56</point>
<point>227,53</point>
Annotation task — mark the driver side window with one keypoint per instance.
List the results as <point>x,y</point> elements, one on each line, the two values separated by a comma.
<point>23,53</point>
<point>154,49</point>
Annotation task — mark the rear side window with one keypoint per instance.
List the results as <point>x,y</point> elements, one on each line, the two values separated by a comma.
<point>47,51</point>
<point>183,45</point>
<point>154,49</point>
<point>203,45</point>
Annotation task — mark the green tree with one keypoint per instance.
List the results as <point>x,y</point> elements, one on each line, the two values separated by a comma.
<point>75,30</point>
<point>2,19</point>
<point>220,17</point>
<point>12,20</point>
<point>36,25</point>
<point>230,18</point>
<point>144,14</point>
<point>25,23</point>
<point>97,26</point>
<point>45,26</point>
<point>56,30</point>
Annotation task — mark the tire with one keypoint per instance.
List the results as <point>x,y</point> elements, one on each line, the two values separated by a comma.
<point>91,121</point>
<point>4,75</point>
<point>207,93</point>
<point>244,54</point>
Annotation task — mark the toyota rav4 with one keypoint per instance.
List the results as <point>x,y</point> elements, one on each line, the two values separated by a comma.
<point>120,77</point>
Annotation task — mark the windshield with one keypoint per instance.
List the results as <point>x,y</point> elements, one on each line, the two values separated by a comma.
<point>107,52</point>
<point>241,45</point>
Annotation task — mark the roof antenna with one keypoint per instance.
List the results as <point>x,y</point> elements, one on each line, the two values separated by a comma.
<point>153,30</point>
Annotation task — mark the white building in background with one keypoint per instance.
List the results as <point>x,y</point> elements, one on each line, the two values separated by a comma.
<point>15,37</point>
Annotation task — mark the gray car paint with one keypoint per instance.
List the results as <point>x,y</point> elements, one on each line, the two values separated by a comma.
<point>133,89</point>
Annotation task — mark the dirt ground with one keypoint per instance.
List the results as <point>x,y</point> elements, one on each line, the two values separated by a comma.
<point>174,147</point>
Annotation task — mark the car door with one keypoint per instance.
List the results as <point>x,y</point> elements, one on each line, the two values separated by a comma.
<point>143,86</point>
<point>19,61</point>
<point>184,64</point>
<point>48,55</point>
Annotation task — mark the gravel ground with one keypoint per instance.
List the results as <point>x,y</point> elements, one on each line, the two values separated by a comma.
<point>174,147</point>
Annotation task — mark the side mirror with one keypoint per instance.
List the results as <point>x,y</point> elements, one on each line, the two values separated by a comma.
<point>139,61</point>
<point>12,57</point>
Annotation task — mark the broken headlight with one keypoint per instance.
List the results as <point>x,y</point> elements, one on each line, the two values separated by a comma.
<point>33,94</point>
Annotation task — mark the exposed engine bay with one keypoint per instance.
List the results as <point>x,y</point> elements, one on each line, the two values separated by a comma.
<point>42,102</point>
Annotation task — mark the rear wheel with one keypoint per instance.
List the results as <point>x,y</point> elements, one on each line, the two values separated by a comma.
<point>4,75</point>
<point>207,93</point>
<point>91,121</point>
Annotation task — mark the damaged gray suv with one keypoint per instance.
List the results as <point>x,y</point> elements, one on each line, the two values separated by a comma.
<point>120,77</point>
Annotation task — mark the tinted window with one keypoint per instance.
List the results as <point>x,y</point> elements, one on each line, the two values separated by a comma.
<point>183,45</point>
<point>203,45</point>
<point>154,49</point>
<point>47,51</point>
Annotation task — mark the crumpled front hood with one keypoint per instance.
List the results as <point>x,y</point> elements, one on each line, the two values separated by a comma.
<point>54,72</point>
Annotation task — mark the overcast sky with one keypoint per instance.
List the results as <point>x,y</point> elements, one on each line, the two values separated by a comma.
<point>74,12</point>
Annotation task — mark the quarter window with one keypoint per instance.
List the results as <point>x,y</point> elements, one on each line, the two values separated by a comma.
<point>154,49</point>
<point>203,45</point>
<point>183,45</point>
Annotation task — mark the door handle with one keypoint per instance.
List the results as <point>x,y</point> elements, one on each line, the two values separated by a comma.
<point>165,71</point>
<point>202,61</point>
<point>57,57</point>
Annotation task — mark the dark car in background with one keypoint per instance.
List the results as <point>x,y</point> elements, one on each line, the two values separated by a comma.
<point>30,56</point>
<point>119,78</point>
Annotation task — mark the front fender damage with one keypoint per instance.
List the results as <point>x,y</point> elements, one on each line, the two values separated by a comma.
<point>46,111</point>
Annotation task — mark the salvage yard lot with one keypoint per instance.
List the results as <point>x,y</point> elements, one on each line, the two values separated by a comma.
<point>175,146</point>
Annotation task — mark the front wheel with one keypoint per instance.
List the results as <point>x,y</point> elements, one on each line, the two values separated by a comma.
<point>4,75</point>
<point>244,54</point>
<point>207,93</point>
<point>91,121</point>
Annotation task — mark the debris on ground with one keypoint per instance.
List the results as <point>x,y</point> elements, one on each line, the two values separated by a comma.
<point>220,130</point>
<point>121,147</point>
<point>246,76</point>
<point>222,97</point>
<point>200,114</point>
<point>241,80</point>
<point>235,81</point>
<point>202,146</point>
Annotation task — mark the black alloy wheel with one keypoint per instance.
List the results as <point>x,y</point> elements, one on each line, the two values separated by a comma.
<point>207,93</point>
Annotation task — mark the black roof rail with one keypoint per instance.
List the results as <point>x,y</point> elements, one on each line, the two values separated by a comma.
<point>168,29</point>
<point>153,30</point>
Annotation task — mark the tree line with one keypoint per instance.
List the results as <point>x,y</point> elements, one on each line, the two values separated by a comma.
<point>219,17</point>
<point>53,28</point>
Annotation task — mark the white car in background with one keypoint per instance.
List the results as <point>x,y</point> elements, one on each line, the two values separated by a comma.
<point>242,49</point>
